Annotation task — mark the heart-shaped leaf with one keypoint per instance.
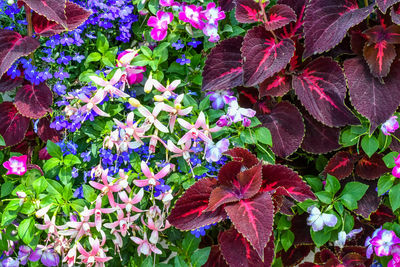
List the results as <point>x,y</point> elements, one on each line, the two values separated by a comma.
<point>223,68</point>
<point>340,165</point>
<point>383,5</point>
<point>13,125</point>
<point>76,15</point>
<point>188,213</point>
<point>371,168</point>
<point>264,56</point>
<point>395,14</point>
<point>238,252</point>
<point>34,101</point>
<point>277,85</point>
<point>369,202</point>
<point>215,259</point>
<point>243,156</point>
<point>319,139</point>
<point>279,16</point>
<point>321,88</point>
<point>286,126</point>
<point>7,84</point>
<point>248,11</point>
<point>13,46</point>
<point>52,9</point>
<point>253,218</point>
<point>327,21</point>
<point>371,98</point>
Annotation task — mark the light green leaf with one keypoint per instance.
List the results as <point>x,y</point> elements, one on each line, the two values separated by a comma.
<point>369,144</point>
<point>394,197</point>
<point>200,256</point>
<point>332,184</point>
<point>385,183</point>
<point>54,150</point>
<point>263,135</point>
<point>26,230</point>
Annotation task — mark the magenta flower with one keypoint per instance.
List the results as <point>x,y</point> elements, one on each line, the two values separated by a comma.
<point>16,165</point>
<point>396,171</point>
<point>192,15</point>
<point>383,242</point>
<point>211,31</point>
<point>151,178</point>
<point>213,14</point>
<point>95,256</point>
<point>167,2</point>
<point>368,245</point>
<point>390,126</point>
<point>395,261</point>
<point>107,188</point>
<point>160,24</point>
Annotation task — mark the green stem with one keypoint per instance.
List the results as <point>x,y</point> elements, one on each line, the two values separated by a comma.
<point>366,3</point>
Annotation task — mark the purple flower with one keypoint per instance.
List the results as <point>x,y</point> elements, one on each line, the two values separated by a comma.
<point>194,43</point>
<point>218,98</point>
<point>47,256</point>
<point>63,59</point>
<point>53,42</point>
<point>59,88</point>
<point>45,75</point>
<point>214,151</point>
<point>237,113</point>
<point>178,45</point>
<point>224,121</point>
<point>66,41</point>
<point>85,156</point>
<point>14,72</point>
<point>10,262</point>
<point>61,74</point>
<point>23,254</point>
<point>74,172</point>
<point>383,242</point>
<point>183,60</point>
<point>390,126</point>
<point>318,220</point>
<point>211,31</point>
<point>78,58</point>
<point>79,192</point>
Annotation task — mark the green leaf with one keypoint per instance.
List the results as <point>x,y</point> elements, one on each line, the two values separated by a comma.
<point>394,197</point>
<point>287,238</point>
<point>320,238</point>
<point>247,136</point>
<point>389,159</point>
<point>92,57</point>
<point>153,6</point>
<point>263,135</point>
<point>265,153</point>
<point>385,183</point>
<point>314,182</point>
<point>200,256</point>
<point>148,262</point>
<point>183,165</point>
<point>89,193</point>
<point>6,188</point>
<point>190,243</point>
<point>2,142</point>
<point>65,175</point>
<point>54,150</point>
<point>339,207</point>
<point>332,184</point>
<point>200,170</point>
<point>325,197</point>
<point>348,138</point>
<point>50,164</point>
<point>39,185</point>
<point>101,43</point>
<point>369,144</point>
<point>54,187</point>
<point>146,51</point>
<point>70,160</point>
<point>180,262</point>
<point>160,48</point>
<point>26,230</point>
<point>189,101</point>
<point>205,103</point>
<point>352,192</point>
<point>140,60</point>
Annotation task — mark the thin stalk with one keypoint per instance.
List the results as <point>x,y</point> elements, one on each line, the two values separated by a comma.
<point>28,15</point>
<point>366,3</point>
<point>266,19</point>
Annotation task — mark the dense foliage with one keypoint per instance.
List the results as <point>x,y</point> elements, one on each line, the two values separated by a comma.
<point>268,129</point>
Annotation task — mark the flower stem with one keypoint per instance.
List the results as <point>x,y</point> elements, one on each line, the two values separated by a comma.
<point>266,19</point>
<point>366,3</point>
<point>28,15</point>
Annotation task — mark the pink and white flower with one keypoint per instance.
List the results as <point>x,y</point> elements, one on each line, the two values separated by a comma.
<point>192,15</point>
<point>152,179</point>
<point>16,165</point>
<point>213,14</point>
<point>390,126</point>
<point>160,24</point>
<point>96,256</point>
<point>145,247</point>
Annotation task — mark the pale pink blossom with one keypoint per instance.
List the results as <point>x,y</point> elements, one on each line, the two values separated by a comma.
<point>129,202</point>
<point>152,179</point>
<point>97,212</point>
<point>107,188</point>
<point>194,130</point>
<point>96,256</point>
<point>109,85</point>
<point>151,117</point>
<point>176,110</point>
<point>91,104</point>
<point>145,247</point>
<point>155,227</point>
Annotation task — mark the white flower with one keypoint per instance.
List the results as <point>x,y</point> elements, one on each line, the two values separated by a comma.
<point>318,220</point>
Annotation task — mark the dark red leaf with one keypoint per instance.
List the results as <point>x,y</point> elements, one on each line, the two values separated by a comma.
<point>7,84</point>
<point>301,237</point>
<point>220,196</point>
<point>43,154</point>
<point>238,252</point>
<point>228,172</point>
<point>249,181</point>
<point>319,139</point>
<point>353,260</point>
<point>370,201</point>
<point>54,10</point>
<point>215,259</point>
<point>294,28</point>
<point>383,5</point>
<point>371,168</point>
<point>395,145</point>
<point>188,213</point>
<point>46,133</point>
<point>243,156</point>
<point>34,101</point>
<point>13,125</point>
<point>13,46</point>
<point>76,15</point>
<point>286,126</point>
<point>309,264</point>
<point>223,68</point>
<point>248,11</point>
<point>321,88</point>
<point>327,22</point>
<point>253,218</point>
<point>297,5</point>
<point>277,85</point>
<point>379,51</point>
<point>328,257</point>
<point>281,180</point>
<point>369,96</point>
<point>340,165</point>
<point>263,56</point>
<point>382,215</point>
<point>279,16</point>
<point>226,5</point>
<point>358,38</point>
<point>295,255</point>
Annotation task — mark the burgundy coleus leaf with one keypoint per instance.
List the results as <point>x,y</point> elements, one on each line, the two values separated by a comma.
<point>7,84</point>
<point>34,101</point>
<point>295,254</point>
<point>253,218</point>
<point>244,156</point>
<point>263,55</point>
<point>371,168</point>
<point>294,28</point>
<point>286,126</point>
<point>54,10</point>
<point>319,139</point>
<point>13,125</point>
<point>340,165</point>
<point>370,201</point>
<point>358,38</point>
<point>188,213</point>
<point>76,15</point>
<point>277,85</point>
<point>379,51</point>
<point>327,22</point>
<point>238,252</point>
<point>46,133</point>
<point>395,145</point>
<point>279,16</point>
<point>383,5</point>
<point>395,14</point>
<point>353,259</point>
<point>375,100</point>
<point>226,5</point>
<point>383,215</point>
<point>223,68</point>
<point>13,46</point>
<point>321,88</point>
<point>281,180</point>
<point>248,11</point>
<point>215,259</point>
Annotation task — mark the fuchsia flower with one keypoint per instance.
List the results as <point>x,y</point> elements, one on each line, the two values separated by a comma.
<point>213,14</point>
<point>151,178</point>
<point>93,102</point>
<point>176,110</point>
<point>96,256</point>
<point>97,212</point>
<point>107,188</point>
<point>390,126</point>
<point>160,24</point>
<point>109,85</point>
<point>180,152</point>
<point>383,242</point>
<point>395,261</point>
<point>396,169</point>
<point>132,130</point>
<point>16,165</point>
<point>167,92</point>
<point>132,74</point>
<point>151,118</point>
<point>194,131</point>
<point>192,15</point>
<point>129,202</point>
<point>155,227</point>
<point>77,229</point>
<point>167,2</point>
<point>145,247</point>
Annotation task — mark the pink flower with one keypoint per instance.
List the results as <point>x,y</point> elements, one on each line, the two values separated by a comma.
<point>145,247</point>
<point>95,256</point>
<point>180,152</point>
<point>97,212</point>
<point>151,178</point>
<point>160,24</point>
<point>383,242</point>
<point>133,74</point>
<point>194,131</point>
<point>77,229</point>
<point>176,110</point>
<point>167,2</point>
<point>155,227</point>
<point>16,165</point>
<point>151,118</point>
<point>132,130</point>
<point>129,202</point>
<point>192,15</point>
<point>213,14</point>
<point>71,257</point>
<point>390,126</point>
<point>48,224</point>
<point>167,91</point>
<point>109,85</point>
<point>93,102</point>
<point>107,188</point>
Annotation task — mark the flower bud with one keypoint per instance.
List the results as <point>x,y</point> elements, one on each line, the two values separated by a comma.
<point>134,102</point>
<point>159,98</point>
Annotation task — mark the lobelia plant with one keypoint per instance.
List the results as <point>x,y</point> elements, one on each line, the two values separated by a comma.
<point>247,192</point>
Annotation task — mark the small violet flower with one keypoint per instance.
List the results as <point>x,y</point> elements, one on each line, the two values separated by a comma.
<point>390,126</point>
<point>16,165</point>
<point>318,220</point>
<point>183,60</point>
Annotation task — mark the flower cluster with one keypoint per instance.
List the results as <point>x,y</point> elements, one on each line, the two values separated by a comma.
<point>384,243</point>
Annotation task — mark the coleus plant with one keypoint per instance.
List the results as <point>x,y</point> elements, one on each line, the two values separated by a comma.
<point>289,52</point>
<point>46,17</point>
<point>249,193</point>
